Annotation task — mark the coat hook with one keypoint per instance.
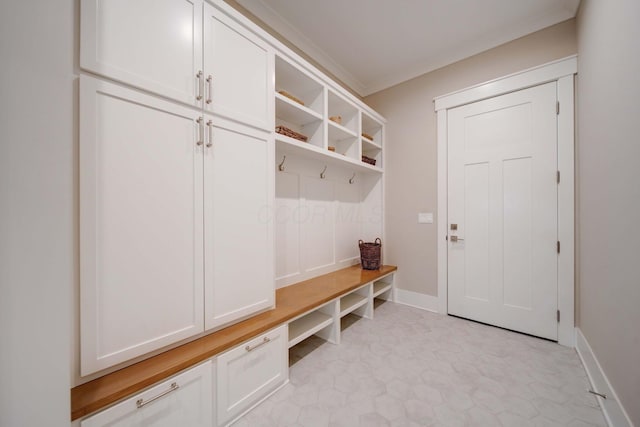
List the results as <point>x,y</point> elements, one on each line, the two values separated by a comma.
<point>352,179</point>
<point>323,171</point>
<point>281,165</point>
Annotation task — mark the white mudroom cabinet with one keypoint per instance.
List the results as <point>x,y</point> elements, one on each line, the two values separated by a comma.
<point>172,208</point>
<point>185,50</point>
<point>174,234</point>
<point>196,203</point>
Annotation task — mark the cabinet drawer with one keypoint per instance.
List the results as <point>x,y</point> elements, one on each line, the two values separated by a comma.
<point>249,372</point>
<point>184,400</point>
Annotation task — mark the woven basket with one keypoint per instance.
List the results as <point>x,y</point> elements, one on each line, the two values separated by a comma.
<point>369,160</point>
<point>283,130</point>
<point>370,254</point>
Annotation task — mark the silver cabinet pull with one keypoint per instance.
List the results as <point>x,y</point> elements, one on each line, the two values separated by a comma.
<point>455,238</point>
<point>210,126</point>
<point>141,403</point>
<point>210,86</point>
<point>264,341</point>
<point>200,121</point>
<point>200,77</point>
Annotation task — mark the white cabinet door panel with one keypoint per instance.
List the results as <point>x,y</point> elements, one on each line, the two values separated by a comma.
<point>184,400</point>
<point>140,224</point>
<point>240,67</point>
<point>239,249</point>
<point>153,44</point>
<point>249,372</point>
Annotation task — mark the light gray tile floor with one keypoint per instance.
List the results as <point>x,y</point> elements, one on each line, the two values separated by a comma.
<point>409,367</point>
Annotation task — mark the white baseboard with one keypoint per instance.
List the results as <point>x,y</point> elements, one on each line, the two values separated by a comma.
<point>613,410</point>
<point>415,299</point>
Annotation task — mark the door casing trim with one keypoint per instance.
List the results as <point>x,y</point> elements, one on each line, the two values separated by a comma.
<point>561,71</point>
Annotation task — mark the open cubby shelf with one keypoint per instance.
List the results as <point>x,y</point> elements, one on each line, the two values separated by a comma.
<point>320,102</point>
<point>324,321</point>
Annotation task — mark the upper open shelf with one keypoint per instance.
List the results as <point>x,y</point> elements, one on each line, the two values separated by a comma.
<point>338,128</point>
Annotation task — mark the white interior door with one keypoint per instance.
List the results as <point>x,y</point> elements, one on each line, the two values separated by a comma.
<point>502,208</point>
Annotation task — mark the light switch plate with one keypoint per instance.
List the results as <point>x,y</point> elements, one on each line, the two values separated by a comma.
<point>425,218</point>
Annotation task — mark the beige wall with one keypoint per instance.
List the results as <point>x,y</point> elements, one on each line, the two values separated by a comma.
<point>283,40</point>
<point>609,191</point>
<point>411,163</point>
<point>38,228</point>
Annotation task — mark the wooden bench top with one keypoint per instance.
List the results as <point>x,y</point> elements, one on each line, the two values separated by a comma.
<point>291,302</point>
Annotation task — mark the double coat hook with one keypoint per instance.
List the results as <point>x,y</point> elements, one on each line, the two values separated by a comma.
<point>322,174</point>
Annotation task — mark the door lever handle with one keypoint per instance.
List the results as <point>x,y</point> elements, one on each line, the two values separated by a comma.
<point>455,238</point>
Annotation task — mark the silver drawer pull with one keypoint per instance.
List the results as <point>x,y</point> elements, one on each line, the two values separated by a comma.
<point>210,84</point>
<point>140,402</point>
<point>210,126</point>
<point>200,77</point>
<point>264,341</point>
<point>200,122</point>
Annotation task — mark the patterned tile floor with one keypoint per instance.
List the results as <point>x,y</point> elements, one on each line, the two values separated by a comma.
<point>409,367</point>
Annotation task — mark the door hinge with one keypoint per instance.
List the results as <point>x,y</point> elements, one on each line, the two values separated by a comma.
<point>558,176</point>
<point>558,315</point>
<point>558,246</point>
<point>557,107</point>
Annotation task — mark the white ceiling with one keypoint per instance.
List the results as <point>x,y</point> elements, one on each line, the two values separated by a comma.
<point>374,44</point>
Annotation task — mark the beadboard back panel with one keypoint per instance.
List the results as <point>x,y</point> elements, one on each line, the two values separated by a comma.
<point>320,220</point>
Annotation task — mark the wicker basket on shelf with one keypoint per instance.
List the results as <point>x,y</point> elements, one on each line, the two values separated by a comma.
<point>283,130</point>
<point>369,160</point>
<point>371,254</point>
<point>366,135</point>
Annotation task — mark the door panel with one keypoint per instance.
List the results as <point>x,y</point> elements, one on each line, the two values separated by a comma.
<point>317,221</point>
<point>518,203</point>
<point>152,44</point>
<point>348,221</point>
<point>477,231</point>
<point>503,198</point>
<point>239,249</point>
<point>140,224</point>
<point>287,224</point>
<point>237,62</point>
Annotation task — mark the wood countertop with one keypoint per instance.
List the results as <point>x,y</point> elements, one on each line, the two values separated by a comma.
<point>291,301</point>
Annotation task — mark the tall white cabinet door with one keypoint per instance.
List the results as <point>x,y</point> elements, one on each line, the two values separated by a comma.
<point>239,71</point>
<point>141,242</point>
<point>239,249</point>
<point>152,44</point>
<point>184,400</point>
